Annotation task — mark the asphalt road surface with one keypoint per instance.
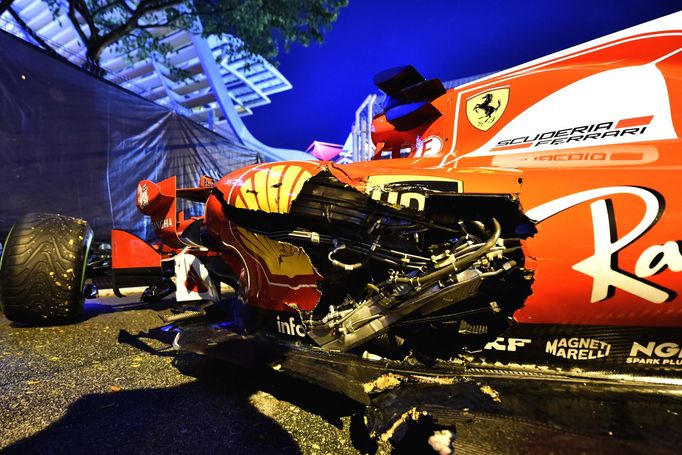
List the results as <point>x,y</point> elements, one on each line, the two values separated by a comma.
<point>78,389</point>
<point>88,388</point>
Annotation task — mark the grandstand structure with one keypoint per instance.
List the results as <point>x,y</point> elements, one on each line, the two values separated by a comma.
<point>218,91</point>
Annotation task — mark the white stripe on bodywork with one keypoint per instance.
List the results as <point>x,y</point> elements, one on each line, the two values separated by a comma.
<point>612,95</point>
<point>672,22</point>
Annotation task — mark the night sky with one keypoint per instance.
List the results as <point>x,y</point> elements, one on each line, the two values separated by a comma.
<point>442,39</point>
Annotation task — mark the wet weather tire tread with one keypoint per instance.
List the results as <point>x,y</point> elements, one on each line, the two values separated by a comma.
<point>42,266</point>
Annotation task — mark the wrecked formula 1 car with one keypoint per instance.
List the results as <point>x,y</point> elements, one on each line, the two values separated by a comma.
<point>525,223</point>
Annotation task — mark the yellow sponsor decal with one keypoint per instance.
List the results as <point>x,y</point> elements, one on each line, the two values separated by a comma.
<point>378,187</point>
<point>485,109</point>
<point>278,257</point>
<point>260,180</point>
<point>272,190</point>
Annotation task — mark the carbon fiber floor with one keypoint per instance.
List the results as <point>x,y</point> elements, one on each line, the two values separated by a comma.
<point>85,388</point>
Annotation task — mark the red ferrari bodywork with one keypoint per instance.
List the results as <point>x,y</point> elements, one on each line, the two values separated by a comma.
<point>585,142</point>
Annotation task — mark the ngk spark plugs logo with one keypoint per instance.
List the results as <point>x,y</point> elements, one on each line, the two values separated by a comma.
<point>578,348</point>
<point>655,353</point>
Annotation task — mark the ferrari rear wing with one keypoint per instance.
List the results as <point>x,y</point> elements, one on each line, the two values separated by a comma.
<point>158,201</point>
<point>134,261</point>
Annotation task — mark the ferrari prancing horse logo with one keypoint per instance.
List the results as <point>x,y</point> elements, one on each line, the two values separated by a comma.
<point>485,109</point>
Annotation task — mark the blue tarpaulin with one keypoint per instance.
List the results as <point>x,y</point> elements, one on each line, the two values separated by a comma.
<point>75,144</point>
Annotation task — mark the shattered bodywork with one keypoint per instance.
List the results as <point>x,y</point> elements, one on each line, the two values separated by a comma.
<point>524,225</point>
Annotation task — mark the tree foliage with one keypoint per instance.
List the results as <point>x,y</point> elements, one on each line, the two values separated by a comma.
<point>263,26</point>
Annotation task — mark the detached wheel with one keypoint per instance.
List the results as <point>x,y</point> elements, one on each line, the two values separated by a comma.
<point>43,268</point>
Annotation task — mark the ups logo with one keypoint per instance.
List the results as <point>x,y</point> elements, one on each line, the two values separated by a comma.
<point>408,190</point>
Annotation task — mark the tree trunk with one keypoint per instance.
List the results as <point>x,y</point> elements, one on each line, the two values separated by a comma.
<point>92,60</point>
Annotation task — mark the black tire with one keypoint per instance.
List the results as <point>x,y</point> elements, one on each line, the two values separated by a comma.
<point>42,269</point>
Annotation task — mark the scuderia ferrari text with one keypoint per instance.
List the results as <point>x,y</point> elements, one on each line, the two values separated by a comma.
<point>576,134</point>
